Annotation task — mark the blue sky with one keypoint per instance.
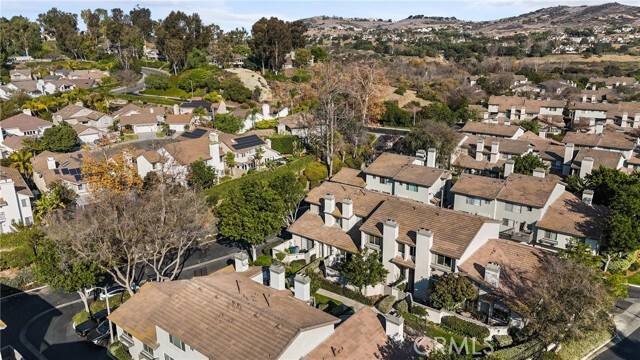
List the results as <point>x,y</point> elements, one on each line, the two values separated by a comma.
<point>230,14</point>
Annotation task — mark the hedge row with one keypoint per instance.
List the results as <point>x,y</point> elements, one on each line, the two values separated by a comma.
<point>119,351</point>
<point>465,328</point>
<point>337,289</point>
<point>283,143</point>
<point>519,352</point>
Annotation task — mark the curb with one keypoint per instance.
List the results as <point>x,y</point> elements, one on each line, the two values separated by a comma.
<point>25,292</point>
<point>633,285</point>
<point>596,350</point>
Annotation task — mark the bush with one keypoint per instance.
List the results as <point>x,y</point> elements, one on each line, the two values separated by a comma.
<point>301,76</point>
<point>80,317</point>
<point>337,289</point>
<point>157,81</point>
<point>400,90</point>
<point>284,144</point>
<point>402,305</point>
<point>264,260</point>
<point>280,256</point>
<point>419,311</point>
<point>114,302</point>
<point>315,173</point>
<point>23,280</point>
<point>522,351</point>
<point>577,349</point>
<point>622,264</point>
<point>119,351</point>
<point>293,267</point>
<point>228,123</point>
<point>465,328</point>
<point>502,340</point>
<point>266,124</point>
<point>635,266</point>
<point>386,304</point>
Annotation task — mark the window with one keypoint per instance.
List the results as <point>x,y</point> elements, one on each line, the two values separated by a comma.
<point>401,248</point>
<point>487,202</point>
<point>550,235</point>
<point>383,180</point>
<point>473,201</point>
<point>147,349</point>
<point>374,240</point>
<point>177,342</point>
<point>167,357</point>
<point>513,207</point>
<point>24,202</point>
<point>529,208</point>
<point>411,187</point>
<point>444,261</point>
<point>412,250</point>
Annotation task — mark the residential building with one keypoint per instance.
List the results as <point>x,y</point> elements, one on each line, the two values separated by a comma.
<point>10,144</point>
<point>15,200</point>
<point>140,123</point>
<point>89,134</point>
<point>203,318</point>
<point>244,148</point>
<point>615,141</point>
<point>415,178</point>
<point>30,87</point>
<point>266,114</point>
<point>506,130</point>
<point>23,125</point>
<point>300,124</point>
<point>78,114</point>
<point>188,107</point>
<point>179,122</point>
<point>613,81</point>
<point>487,155</point>
<point>517,108</point>
<point>20,75</point>
<point>50,167</point>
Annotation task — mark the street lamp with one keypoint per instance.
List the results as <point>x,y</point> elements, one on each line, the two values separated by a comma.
<point>106,296</point>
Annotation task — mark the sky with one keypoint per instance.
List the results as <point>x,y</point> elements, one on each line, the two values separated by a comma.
<point>229,14</point>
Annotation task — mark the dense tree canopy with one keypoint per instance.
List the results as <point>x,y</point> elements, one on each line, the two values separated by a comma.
<point>364,269</point>
<point>201,176</point>
<point>59,138</point>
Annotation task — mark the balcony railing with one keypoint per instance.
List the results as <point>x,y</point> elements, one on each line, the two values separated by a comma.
<point>144,355</point>
<point>126,339</point>
<point>510,234</point>
<point>548,241</point>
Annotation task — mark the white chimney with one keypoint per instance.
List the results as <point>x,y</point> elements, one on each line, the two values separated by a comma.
<point>594,87</point>
<point>329,208</point>
<point>421,157</point>
<point>523,113</point>
<point>268,143</point>
<point>507,122</point>
<point>599,129</point>
<point>79,103</point>
<point>176,109</point>
<point>587,196</point>
<point>636,120</point>
<point>391,228</point>
<point>593,98</point>
<point>302,287</point>
<point>431,158</point>
<point>512,113</point>
<point>265,110</point>
<point>51,163</point>
<point>479,149</point>
<point>214,146</point>
<point>542,134</point>
<point>151,110</point>
<point>424,243</point>
<point>539,172</point>
<point>586,167</point>
<point>495,151</point>
<point>276,276</point>
<point>567,159</point>
<point>485,116</point>
<point>26,111</point>
<point>347,208</point>
<point>241,261</point>
<point>492,274</point>
<point>508,167</point>
<point>584,98</point>
<point>394,327</point>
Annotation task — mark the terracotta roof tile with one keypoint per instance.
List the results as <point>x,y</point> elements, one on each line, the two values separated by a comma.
<point>311,226</point>
<point>388,165</point>
<point>349,176</point>
<point>571,216</point>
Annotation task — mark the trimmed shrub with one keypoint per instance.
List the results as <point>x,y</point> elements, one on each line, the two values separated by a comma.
<point>502,340</point>
<point>337,289</point>
<point>315,173</point>
<point>419,311</point>
<point>266,124</point>
<point>80,317</point>
<point>283,144</point>
<point>522,351</point>
<point>264,260</point>
<point>386,304</point>
<point>119,351</point>
<point>114,302</point>
<point>465,328</point>
<point>402,305</point>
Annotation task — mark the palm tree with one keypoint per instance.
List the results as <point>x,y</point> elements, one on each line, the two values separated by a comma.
<point>257,158</point>
<point>47,203</point>
<point>21,161</point>
<point>230,160</point>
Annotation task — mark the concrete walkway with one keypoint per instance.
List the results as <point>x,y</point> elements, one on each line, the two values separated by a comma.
<point>345,300</point>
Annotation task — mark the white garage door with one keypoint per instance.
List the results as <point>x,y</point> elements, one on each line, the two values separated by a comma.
<point>145,129</point>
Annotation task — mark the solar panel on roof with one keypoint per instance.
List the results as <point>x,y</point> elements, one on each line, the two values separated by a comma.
<point>56,171</point>
<point>65,171</point>
<point>77,177</point>
<point>195,134</point>
<point>247,142</point>
<point>73,171</point>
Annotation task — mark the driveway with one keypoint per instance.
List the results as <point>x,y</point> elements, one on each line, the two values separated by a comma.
<point>626,343</point>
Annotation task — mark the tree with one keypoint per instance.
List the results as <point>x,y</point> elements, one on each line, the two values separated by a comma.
<point>114,173</point>
<point>572,302</point>
<point>227,123</point>
<point>450,291</point>
<point>533,126</point>
<point>291,191</point>
<point>21,161</point>
<point>438,112</point>
<point>201,176</point>
<point>297,29</point>
<point>55,268</point>
<point>364,269</point>
<point>178,34</point>
<point>250,213</point>
<point>59,138</point>
<point>157,81</point>
<point>319,54</point>
<point>270,42</point>
<point>429,134</point>
<point>230,161</point>
<point>195,59</point>
<point>527,163</point>
<point>141,18</point>
<point>122,230</point>
<point>257,157</point>
<point>607,183</point>
<point>303,57</point>
<point>366,79</point>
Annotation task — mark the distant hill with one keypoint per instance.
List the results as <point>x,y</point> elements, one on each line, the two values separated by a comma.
<point>553,18</point>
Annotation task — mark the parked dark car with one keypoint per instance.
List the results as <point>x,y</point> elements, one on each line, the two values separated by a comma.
<point>100,335</point>
<point>83,329</point>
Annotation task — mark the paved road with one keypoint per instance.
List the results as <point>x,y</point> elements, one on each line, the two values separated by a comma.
<point>139,86</point>
<point>39,323</point>
<point>628,326</point>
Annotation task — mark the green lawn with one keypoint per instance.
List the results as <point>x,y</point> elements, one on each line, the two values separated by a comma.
<point>129,137</point>
<point>321,299</point>
<point>634,279</point>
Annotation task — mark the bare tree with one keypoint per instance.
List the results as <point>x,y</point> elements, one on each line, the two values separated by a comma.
<point>121,231</point>
<point>365,81</point>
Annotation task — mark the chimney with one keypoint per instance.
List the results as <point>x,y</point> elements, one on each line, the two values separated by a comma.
<point>421,157</point>
<point>394,327</point>
<point>424,243</point>
<point>276,276</point>
<point>302,287</point>
<point>542,134</point>
<point>587,196</point>
<point>508,167</point>
<point>492,274</point>
<point>485,116</point>
<point>495,151</point>
<point>79,103</point>
<point>329,207</point>
<point>512,113</point>
<point>636,121</point>
<point>391,227</point>
<point>347,214</point>
<point>539,172</point>
<point>479,149</point>
<point>594,87</point>
<point>593,98</point>
<point>431,158</point>
<point>241,261</point>
<point>176,109</point>
<point>214,147</point>
<point>26,111</point>
<point>586,167</point>
<point>599,129</point>
<point>523,113</point>
<point>584,98</point>
<point>568,158</point>
<point>151,110</point>
<point>265,110</point>
<point>507,122</point>
<point>625,118</point>
<point>51,163</point>
<point>268,143</point>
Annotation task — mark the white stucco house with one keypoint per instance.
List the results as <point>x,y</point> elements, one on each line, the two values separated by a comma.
<point>15,200</point>
<point>77,114</point>
<point>24,125</point>
<point>266,114</point>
